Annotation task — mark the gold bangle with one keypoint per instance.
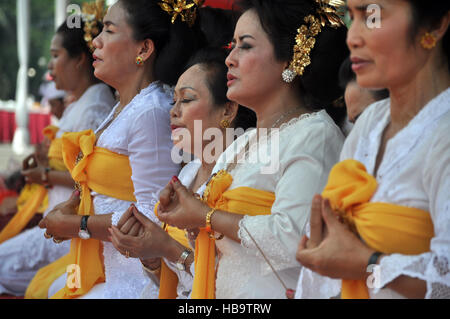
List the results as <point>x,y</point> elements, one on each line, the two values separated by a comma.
<point>208,227</point>
<point>155,272</point>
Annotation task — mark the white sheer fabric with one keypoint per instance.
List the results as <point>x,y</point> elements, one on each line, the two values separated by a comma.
<point>415,172</point>
<point>185,280</point>
<point>22,256</point>
<point>308,147</point>
<point>141,132</point>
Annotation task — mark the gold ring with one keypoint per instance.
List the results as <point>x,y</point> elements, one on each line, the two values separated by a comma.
<point>56,241</point>
<point>47,236</point>
<point>127,254</point>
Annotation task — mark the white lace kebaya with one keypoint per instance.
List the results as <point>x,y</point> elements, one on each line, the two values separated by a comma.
<point>141,132</point>
<point>415,172</point>
<point>309,146</point>
<point>22,256</point>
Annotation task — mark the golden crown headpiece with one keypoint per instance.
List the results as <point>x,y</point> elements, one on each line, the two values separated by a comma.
<point>92,14</point>
<point>187,11</point>
<point>327,14</point>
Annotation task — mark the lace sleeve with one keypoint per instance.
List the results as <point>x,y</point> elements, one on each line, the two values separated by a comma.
<point>149,147</point>
<point>93,117</point>
<point>304,170</point>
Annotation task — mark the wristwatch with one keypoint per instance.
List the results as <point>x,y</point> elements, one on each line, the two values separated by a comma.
<point>181,263</point>
<point>44,178</point>
<point>84,232</point>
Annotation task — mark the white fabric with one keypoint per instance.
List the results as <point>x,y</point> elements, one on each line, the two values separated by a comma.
<point>308,148</point>
<point>415,172</point>
<point>185,280</point>
<point>141,132</point>
<point>22,256</point>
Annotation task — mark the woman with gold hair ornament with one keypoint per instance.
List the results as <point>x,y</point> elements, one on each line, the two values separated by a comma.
<point>283,65</point>
<point>140,52</point>
<point>386,205</point>
<point>70,66</point>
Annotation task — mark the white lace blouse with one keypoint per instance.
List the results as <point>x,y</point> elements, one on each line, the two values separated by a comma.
<point>308,148</point>
<point>141,132</point>
<point>415,172</point>
<point>88,112</point>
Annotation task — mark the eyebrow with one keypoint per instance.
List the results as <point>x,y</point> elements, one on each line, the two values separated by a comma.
<point>243,37</point>
<point>108,23</point>
<point>184,88</point>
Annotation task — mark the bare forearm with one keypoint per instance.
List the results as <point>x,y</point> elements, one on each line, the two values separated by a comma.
<point>60,178</point>
<point>409,287</point>
<point>227,224</point>
<point>97,226</point>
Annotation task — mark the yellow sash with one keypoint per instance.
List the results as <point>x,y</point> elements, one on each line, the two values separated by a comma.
<point>243,201</point>
<point>106,173</point>
<point>387,228</point>
<point>33,197</point>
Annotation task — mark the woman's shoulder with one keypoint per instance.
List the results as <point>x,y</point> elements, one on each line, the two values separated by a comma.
<point>154,99</point>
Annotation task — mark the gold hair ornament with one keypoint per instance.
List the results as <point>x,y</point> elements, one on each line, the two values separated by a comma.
<point>187,12</point>
<point>92,14</point>
<point>306,36</point>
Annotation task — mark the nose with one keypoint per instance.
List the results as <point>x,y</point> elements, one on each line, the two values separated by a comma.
<point>174,112</point>
<point>97,43</point>
<point>50,65</point>
<point>354,36</point>
<point>230,61</point>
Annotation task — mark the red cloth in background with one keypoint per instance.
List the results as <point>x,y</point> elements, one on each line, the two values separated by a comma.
<point>224,4</point>
<point>37,122</point>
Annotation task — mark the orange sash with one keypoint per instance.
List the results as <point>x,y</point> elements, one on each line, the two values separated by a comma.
<point>387,228</point>
<point>33,198</point>
<point>106,173</point>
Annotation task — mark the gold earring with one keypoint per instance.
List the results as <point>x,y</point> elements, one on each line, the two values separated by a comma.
<point>139,60</point>
<point>225,124</point>
<point>428,41</point>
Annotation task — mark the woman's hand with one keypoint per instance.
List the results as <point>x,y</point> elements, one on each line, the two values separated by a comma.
<point>149,243</point>
<point>333,250</point>
<point>179,207</point>
<point>34,175</point>
<point>59,221</point>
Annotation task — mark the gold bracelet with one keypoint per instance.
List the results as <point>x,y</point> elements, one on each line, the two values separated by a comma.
<point>155,272</point>
<point>209,226</point>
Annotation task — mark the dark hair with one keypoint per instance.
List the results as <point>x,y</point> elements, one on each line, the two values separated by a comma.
<point>346,76</point>
<point>73,41</point>
<point>174,42</point>
<point>319,85</point>
<point>212,61</point>
<point>427,14</point>
<point>217,25</point>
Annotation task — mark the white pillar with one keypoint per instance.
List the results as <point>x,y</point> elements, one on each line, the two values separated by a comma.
<point>60,12</point>
<point>21,139</point>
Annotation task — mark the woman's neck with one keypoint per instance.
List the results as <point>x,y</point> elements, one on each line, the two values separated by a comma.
<point>129,88</point>
<point>83,84</point>
<point>278,108</point>
<point>409,99</point>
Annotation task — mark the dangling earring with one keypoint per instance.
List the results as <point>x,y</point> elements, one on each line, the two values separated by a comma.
<point>288,75</point>
<point>139,60</point>
<point>225,124</point>
<point>428,41</point>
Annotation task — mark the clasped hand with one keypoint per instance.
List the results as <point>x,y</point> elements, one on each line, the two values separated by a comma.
<point>55,221</point>
<point>137,236</point>
<point>180,207</point>
<point>332,250</point>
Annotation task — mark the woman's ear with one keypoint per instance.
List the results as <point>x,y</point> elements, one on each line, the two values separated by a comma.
<point>230,111</point>
<point>147,49</point>
<point>82,59</point>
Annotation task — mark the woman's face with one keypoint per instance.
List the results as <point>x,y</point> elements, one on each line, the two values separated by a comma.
<point>116,50</point>
<point>384,56</point>
<point>253,71</point>
<point>61,66</point>
<point>193,102</point>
